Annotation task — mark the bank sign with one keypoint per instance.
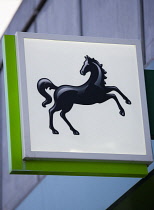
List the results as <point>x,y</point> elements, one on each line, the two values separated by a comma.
<point>76,106</point>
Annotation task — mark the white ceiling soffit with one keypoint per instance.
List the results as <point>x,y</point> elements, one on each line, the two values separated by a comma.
<point>8,9</point>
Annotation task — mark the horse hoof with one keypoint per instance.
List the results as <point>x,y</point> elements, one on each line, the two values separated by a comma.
<point>122,113</point>
<point>128,101</point>
<point>55,132</point>
<point>76,132</point>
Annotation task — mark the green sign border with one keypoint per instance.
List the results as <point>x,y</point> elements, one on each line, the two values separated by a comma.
<point>51,167</point>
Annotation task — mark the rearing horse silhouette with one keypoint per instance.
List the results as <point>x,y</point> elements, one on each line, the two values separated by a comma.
<point>93,91</point>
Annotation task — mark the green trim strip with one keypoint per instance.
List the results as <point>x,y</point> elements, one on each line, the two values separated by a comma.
<point>12,101</point>
<point>18,166</point>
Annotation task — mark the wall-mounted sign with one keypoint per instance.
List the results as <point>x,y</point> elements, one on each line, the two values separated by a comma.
<point>80,100</point>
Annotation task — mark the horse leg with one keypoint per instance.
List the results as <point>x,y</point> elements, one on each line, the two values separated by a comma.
<point>63,115</point>
<point>114,88</point>
<point>109,96</point>
<point>51,112</point>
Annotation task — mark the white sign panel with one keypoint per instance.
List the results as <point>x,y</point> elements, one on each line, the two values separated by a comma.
<point>82,98</point>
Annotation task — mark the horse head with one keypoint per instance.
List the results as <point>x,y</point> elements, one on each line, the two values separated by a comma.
<point>86,65</point>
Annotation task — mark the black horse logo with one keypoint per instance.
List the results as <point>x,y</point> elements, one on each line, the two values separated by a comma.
<point>93,91</point>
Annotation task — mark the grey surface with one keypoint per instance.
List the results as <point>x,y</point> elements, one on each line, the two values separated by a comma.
<point>112,19</point>
<point>76,193</point>
<point>32,28</point>
<point>59,17</point>
<point>149,29</point>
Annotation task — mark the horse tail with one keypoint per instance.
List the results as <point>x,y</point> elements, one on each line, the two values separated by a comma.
<point>42,85</point>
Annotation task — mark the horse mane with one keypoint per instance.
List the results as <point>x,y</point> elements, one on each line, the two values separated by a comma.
<point>101,67</point>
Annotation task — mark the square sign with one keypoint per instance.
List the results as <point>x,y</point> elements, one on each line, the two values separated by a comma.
<point>81,99</point>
